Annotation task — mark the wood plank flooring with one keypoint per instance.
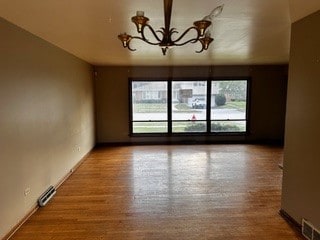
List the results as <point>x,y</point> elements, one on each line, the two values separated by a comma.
<point>168,192</point>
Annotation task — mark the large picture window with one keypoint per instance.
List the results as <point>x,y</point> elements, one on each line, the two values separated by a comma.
<point>189,106</point>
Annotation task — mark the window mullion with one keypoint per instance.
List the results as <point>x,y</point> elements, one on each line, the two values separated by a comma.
<point>208,120</point>
<point>169,101</point>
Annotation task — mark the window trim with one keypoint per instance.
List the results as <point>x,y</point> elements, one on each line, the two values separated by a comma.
<point>208,120</point>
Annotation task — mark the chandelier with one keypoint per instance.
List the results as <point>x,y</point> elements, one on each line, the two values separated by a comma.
<point>165,40</point>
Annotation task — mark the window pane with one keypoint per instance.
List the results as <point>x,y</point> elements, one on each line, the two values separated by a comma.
<point>149,127</point>
<point>228,126</point>
<point>189,126</point>
<point>149,101</point>
<point>229,100</point>
<point>149,104</point>
<point>189,100</point>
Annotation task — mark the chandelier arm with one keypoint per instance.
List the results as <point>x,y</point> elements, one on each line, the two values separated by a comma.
<point>185,33</point>
<point>193,40</point>
<point>144,40</point>
<point>153,33</point>
<point>201,50</point>
<point>128,45</point>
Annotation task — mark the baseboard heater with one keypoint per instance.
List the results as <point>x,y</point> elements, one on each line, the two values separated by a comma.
<point>309,231</point>
<point>46,196</point>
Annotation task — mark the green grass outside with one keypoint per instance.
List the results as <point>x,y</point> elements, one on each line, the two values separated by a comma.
<point>239,105</point>
<point>162,108</point>
<point>150,107</point>
<point>159,127</point>
<point>179,127</point>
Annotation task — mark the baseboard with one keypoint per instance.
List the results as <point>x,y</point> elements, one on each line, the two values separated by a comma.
<point>189,142</point>
<point>297,226</point>
<point>72,170</point>
<point>21,222</point>
<point>36,207</point>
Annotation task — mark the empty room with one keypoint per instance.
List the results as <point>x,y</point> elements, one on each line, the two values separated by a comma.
<point>159,119</point>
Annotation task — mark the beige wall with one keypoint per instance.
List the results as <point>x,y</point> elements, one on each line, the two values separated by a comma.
<point>301,180</point>
<point>46,119</point>
<point>267,105</point>
<point>267,100</point>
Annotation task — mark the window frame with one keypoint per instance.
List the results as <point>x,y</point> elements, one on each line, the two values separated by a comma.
<point>208,119</point>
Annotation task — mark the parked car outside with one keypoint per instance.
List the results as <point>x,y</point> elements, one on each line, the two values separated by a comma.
<point>198,103</point>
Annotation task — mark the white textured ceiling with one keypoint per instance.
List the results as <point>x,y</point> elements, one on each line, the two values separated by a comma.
<point>246,32</point>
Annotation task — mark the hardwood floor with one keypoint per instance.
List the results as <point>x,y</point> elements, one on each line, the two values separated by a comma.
<point>168,192</point>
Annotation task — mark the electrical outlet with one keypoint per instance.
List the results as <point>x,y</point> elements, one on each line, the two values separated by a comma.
<point>79,148</point>
<point>27,191</point>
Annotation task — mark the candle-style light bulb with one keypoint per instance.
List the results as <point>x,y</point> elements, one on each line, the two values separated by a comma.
<point>140,13</point>
<point>217,11</point>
